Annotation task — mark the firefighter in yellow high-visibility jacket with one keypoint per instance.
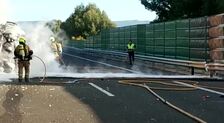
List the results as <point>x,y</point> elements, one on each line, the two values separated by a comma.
<point>57,50</point>
<point>24,55</point>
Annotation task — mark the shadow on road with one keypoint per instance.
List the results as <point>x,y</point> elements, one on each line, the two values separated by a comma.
<point>11,105</point>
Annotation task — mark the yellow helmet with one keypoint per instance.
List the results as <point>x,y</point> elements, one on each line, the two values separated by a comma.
<point>22,40</point>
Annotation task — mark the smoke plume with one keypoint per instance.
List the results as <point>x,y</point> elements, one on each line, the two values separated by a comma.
<point>4,11</point>
<point>38,35</point>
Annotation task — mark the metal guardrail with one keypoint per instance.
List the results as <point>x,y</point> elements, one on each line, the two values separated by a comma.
<point>210,67</point>
<point>214,67</point>
<point>185,63</point>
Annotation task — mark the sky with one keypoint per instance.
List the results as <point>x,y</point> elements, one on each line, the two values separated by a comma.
<point>36,10</point>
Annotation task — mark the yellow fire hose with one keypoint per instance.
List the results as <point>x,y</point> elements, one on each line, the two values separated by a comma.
<point>177,87</point>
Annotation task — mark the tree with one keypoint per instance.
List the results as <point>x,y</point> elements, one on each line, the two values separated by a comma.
<point>86,21</point>
<point>212,7</point>
<point>179,9</point>
<point>54,25</point>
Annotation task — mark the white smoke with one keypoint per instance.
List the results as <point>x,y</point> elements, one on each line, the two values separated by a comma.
<point>4,11</point>
<point>38,35</point>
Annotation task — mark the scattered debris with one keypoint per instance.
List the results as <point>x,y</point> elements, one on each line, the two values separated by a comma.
<point>52,89</point>
<point>204,97</point>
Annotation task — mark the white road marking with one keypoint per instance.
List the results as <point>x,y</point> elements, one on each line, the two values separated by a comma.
<point>71,82</point>
<point>129,70</point>
<point>102,90</point>
<point>201,88</point>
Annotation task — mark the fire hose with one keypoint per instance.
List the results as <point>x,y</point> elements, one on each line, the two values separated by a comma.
<point>142,83</point>
<point>45,68</point>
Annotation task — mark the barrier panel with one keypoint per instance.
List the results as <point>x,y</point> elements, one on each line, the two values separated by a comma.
<point>197,39</point>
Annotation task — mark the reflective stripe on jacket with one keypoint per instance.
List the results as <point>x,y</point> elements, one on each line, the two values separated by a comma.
<point>131,46</point>
<point>54,47</point>
<point>59,47</point>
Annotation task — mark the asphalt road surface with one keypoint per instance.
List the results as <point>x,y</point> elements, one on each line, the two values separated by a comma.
<point>106,100</point>
<point>70,100</point>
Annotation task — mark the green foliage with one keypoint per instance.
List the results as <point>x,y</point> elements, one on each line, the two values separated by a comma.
<point>86,21</point>
<point>54,25</point>
<point>180,9</point>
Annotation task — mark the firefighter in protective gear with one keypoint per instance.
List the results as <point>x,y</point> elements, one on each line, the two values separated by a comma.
<point>57,50</point>
<point>131,48</point>
<point>24,54</point>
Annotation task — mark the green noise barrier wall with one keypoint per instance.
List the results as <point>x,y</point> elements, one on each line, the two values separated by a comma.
<point>181,39</point>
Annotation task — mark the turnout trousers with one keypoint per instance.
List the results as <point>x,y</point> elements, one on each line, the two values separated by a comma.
<point>23,65</point>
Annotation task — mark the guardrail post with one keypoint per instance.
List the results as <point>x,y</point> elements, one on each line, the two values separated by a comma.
<point>192,70</point>
<point>212,73</point>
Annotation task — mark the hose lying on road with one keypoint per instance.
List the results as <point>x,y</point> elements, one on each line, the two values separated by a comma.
<point>141,83</point>
<point>176,87</point>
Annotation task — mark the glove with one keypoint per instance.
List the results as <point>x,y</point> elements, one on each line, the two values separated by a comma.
<point>29,57</point>
<point>30,52</point>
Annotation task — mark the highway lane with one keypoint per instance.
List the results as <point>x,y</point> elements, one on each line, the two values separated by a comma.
<point>205,105</point>
<point>105,100</point>
<point>128,105</point>
<point>81,61</point>
<point>79,101</point>
<point>196,98</point>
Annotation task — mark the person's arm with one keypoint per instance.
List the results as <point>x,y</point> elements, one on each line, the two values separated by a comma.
<point>127,48</point>
<point>30,53</point>
<point>60,47</point>
<point>16,52</point>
